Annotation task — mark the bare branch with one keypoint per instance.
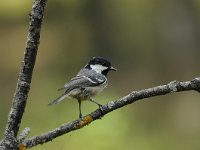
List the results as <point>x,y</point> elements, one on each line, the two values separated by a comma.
<point>173,86</point>
<point>23,135</point>
<point>25,74</point>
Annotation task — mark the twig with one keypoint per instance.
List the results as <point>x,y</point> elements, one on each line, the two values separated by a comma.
<point>24,134</point>
<point>25,74</point>
<point>173,86</point>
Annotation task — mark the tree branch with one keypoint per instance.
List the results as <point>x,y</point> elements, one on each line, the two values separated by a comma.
<point>172,87</point>
<point>23,135</point>
<point>25,74</point>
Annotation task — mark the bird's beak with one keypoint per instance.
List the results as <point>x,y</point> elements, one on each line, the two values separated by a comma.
<point>112,68</point>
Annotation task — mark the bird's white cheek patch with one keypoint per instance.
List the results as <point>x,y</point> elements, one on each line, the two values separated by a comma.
<point>98,68</point>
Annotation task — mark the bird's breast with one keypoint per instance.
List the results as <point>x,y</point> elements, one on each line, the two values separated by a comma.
<point>96,89</point>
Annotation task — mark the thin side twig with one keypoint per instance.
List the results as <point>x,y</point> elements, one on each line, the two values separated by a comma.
<point>172,87</point>
<point>25,74</point>
<point>23,135</point>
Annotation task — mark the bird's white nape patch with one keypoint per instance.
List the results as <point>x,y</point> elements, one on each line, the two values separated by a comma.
<point>98,68</point>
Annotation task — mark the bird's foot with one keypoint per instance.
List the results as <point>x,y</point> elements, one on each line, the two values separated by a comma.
<point>80,116</point>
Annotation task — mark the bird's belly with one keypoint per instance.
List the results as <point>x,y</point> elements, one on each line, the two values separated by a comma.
<point>95,90</point>
<point>86,93</point>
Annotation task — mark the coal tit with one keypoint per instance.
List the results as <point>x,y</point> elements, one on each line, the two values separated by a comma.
<point>90,81</point>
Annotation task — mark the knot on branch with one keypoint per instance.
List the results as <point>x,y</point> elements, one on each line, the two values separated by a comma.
<point>24,84</point>
<point>85,121</point>
<point>111,104</point>
<point>173,86</point>
<point>195,83</point>
<point>22,147</point>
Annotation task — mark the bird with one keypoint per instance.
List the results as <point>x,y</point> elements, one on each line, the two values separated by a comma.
<point>90,81</point>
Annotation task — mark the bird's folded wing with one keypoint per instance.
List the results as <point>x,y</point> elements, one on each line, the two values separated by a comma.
<point>83,81</point>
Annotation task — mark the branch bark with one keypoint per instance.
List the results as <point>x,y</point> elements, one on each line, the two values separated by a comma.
<point>25,75</point>
<point>172,87</point>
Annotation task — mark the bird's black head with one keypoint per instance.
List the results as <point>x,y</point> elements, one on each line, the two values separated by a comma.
<point>100,65</point>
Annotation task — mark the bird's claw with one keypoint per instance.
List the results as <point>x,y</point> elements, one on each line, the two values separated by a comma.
<point>80,116</point>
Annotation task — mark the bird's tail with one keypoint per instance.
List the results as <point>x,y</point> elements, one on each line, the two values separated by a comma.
<point>59,99</point>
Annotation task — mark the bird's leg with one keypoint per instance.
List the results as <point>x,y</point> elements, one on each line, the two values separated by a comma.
<point>79,105</point>
<point>92,100</point>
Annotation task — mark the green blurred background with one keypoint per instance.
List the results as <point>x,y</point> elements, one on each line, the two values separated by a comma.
<point>150,42</point>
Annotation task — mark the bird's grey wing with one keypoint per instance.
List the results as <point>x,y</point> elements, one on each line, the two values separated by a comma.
<point>81,81</point>
<point>84,78</point>
<point>72,83</point>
